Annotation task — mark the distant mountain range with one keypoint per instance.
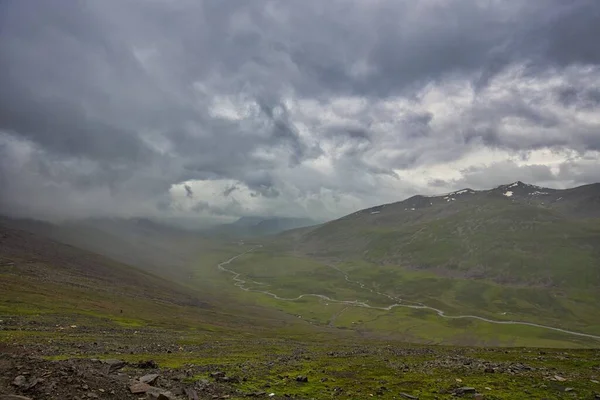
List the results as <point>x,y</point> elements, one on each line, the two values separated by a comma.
<point>260,226</point>
<point>152,245</point>
<point>515,234</point>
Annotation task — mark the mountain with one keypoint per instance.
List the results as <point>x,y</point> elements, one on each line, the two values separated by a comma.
<point>515,233</point>
<point>259,226</point>
<point>39,275</point>
<point>152,246</point>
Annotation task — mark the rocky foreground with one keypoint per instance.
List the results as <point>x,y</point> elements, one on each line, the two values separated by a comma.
<point>24,377</point>
<point>350,372</point>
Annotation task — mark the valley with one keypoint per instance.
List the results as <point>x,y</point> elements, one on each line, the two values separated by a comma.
<point>485,295</point>
<point>245,285</point>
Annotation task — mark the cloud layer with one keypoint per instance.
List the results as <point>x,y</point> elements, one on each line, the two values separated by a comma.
<point>212,110</point>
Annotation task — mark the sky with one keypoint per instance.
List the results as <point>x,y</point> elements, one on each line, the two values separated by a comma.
<point>212,110</point>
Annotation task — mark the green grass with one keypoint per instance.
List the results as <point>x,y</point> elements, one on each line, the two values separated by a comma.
<point>290,276</point>
<point>507,242</point>
<point>484,256</point>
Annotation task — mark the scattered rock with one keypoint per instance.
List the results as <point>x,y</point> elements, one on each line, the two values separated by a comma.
<point>34,382</point>
<point>191,394</point>
<point>13,397</point>
<point>569,389</point>
<point>139,387</point>
<point>149,379</point>
<point>408,396</point>
<point>150,364</point>
<point>256,394</point>
<point>489,370</point>
<point>559,378</point>
<point>301,378</point>
<point>158,394</point>
<point>114,365</point>
<point>520,367</point>
<point>464,390</point>
<point>217,374</point>
<point>20,381</point>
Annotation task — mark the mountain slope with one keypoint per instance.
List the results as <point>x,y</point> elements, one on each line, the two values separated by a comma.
<point>39,275</point>
<point>153,247</point>
<point>516,233</point>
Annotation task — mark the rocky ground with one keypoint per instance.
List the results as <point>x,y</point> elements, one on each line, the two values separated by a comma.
<point>26,374</point>
<point>79,379</point>
<point>54,359</point>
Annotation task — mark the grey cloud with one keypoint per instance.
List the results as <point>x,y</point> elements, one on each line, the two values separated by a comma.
<point>436,183</point>
<point>107,104</point>
<point>501,173</point>
<point>232,208</point>
<point>357,134</point>
<point>581,98</point>
<point>569,173</point>
<point>579,172</point>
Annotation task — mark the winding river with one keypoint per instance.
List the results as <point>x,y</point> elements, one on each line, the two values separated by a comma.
<point>240,283</point>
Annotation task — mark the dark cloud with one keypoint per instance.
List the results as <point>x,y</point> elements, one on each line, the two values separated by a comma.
<point>188,191</point>
<point>229,190</point>
<point>106,106</point>
<point>579,97</point>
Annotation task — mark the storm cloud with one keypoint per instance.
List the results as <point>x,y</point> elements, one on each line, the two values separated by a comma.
<point>212,109</point>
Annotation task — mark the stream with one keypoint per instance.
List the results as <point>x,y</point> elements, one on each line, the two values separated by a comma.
<point>239,282</point>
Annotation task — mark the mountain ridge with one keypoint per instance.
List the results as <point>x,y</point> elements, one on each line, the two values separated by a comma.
<point>506,233</point>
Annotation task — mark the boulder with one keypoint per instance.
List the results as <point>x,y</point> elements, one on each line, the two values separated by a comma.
<point>139,387</point>
<point>149,379</point>
<point>114,365</point>
<point>20,381</point>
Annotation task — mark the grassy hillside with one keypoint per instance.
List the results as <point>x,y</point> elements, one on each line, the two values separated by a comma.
<point>516,252</point>
<point>357,295</point>
<point>513,239</point>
